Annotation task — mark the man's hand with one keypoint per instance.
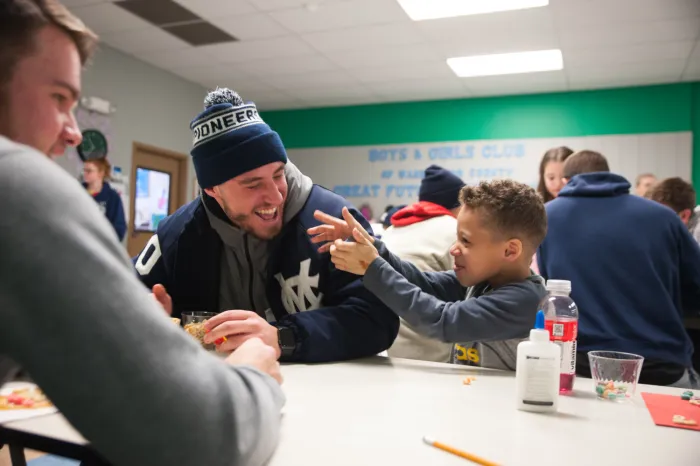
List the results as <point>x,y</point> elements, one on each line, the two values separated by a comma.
<point>230,329</point>
<point>335,229</point>
<point>253,352</point>
<point>163,298</point>
<point>353,257</point>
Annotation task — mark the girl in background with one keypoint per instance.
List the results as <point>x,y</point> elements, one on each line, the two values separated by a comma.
<point>551,180</point>
<point>95,174</point>
<point>552,172</point>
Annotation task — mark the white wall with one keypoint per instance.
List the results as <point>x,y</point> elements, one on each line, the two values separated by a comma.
<point>391,174</point>
<point>153,107</point>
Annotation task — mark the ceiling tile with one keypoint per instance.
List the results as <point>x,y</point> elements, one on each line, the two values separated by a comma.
<point>250,27</point>
<point>274,99</point>
<point>548,81</point>
<point>210,9</point>
<point>484,28</point>
<point>215,72</point>
<point>178,58</point>
<point>678,30</point>
<point>331,16</point>
<point>514,42</point>
<point>382,56</point>
<point>144,40</point>
<point>339,101</point>
<point>418,85</point>
<point>606,12</point>
<point>356,91</point>
<point>600,56</point>
<point>271,5</point>
<point>692,71</point>
<point>289,65</point>
<point>633,73</point>
<point>310,80</point>
<point>427,69</point>
<point>106,17</point>
<point>286,46</point>
<point>370,36</point>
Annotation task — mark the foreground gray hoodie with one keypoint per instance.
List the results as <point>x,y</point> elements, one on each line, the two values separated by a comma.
<point>485,323</point>
<point>77,319</point>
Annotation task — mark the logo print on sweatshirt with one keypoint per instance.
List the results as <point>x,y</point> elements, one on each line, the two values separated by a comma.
<point>297,291</point>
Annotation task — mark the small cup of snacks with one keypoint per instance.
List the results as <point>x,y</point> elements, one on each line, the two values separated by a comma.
<point>193,322</point>
<point>615,374</point>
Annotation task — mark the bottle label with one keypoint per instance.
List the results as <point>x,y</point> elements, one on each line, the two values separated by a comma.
<point>568,356</point>
<point>566,330</point>
<point>538,387</point>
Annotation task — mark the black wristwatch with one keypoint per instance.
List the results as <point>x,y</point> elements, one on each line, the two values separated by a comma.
<point>287,340</point>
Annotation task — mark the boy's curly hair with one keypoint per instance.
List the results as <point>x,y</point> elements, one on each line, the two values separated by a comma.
<point>510,209</point>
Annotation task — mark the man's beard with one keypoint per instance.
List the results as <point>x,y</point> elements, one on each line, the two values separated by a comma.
<point>239,220</point>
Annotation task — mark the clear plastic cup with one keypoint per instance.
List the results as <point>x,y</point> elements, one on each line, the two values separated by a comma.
<point>615,374</point>
<point>193,322</point>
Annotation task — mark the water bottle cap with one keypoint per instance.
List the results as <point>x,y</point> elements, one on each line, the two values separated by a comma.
<point>559,285</point>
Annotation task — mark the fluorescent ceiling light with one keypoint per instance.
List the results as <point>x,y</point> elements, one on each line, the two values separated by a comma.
<point>419,10</point>
<point>506,63</point>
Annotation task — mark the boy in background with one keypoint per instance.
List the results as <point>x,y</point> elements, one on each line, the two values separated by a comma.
<point>487,304</point>
<point>678,195</point>
<point>423,234</point>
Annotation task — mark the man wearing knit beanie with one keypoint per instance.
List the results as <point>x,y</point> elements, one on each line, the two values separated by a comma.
<point>422,233</point>
<point>241,249</point>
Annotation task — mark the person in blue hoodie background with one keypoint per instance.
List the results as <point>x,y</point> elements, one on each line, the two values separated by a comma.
<point>241,249</point>
<point>95,175</point>
<point>633,266</point>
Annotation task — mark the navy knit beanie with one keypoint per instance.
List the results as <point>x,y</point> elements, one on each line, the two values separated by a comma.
<point>230,139</point>
<point>440,186</point>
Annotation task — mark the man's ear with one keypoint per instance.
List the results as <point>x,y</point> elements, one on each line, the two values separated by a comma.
<point>514,249</point>
<point>565,180</point>
<point>213,192</point>
<point>685,215</point>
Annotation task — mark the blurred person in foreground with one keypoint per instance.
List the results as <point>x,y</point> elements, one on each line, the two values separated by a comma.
<point>93,339</point>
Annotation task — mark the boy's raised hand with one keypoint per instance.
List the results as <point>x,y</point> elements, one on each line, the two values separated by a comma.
<point>335,229</point>
<point>354,257</point>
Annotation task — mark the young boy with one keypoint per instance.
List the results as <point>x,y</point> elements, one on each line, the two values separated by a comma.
<point>487,305</point>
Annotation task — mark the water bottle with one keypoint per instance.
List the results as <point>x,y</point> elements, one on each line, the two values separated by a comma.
<point>561,320</point>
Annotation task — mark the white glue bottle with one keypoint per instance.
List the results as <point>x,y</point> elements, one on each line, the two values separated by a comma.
<point>537,371</point>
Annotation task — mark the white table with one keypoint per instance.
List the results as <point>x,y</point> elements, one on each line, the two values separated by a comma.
<point>376,412</point>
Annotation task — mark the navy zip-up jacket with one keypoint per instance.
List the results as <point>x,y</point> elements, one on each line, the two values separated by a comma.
<point>184,256</point>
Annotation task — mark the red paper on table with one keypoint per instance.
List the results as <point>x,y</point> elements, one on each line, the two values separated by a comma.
<point>663,407</point>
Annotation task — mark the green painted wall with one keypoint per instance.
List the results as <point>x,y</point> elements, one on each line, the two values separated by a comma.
<point>650,109</point>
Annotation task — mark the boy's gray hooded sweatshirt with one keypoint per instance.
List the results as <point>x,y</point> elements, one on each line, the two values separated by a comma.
<point>76,318</point>
<point>485,323</point>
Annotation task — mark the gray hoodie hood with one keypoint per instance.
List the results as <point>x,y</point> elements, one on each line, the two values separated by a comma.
<point>244,257</point>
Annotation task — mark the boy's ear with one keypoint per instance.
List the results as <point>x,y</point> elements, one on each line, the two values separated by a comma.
<point>514,249</point>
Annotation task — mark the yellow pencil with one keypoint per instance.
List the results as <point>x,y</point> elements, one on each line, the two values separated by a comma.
<point>460,453</point>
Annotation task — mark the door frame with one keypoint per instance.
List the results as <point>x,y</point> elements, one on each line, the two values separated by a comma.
<point>181,191</point>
